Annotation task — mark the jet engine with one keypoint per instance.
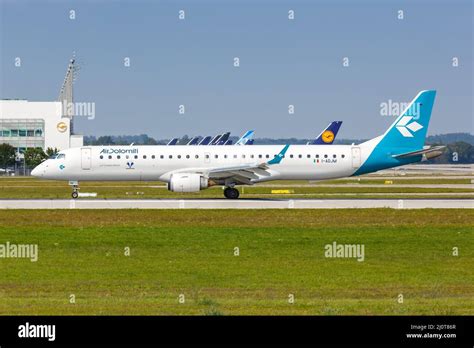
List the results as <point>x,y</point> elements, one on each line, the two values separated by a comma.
<point>184,182</point>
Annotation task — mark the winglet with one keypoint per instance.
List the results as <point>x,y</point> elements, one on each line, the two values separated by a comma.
<point>277,159</point>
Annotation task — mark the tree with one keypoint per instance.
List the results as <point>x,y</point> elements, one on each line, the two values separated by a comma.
<point>458,152</point>
<point>105,140</point>
<point>150,141</point>
<point>184,140</point>
<point>50,151</point>
<point>7,155</point>
<point>34,156</point>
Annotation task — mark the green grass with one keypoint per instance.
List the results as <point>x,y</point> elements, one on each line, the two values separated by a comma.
<point>281,253</point>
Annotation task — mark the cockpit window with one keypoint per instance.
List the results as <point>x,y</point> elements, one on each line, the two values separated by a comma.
<point>57,156</point>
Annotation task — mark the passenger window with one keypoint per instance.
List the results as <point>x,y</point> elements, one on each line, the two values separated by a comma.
<point>317,156</point>
<point>325,156</point>
<point>251,156</point>
<point>216,156</point>
<point>291,156</point>
<point>110,157</point>
<point>136,156</point>
<point>127,156</point>
<point>144,156</point>
<point>101,157</point>
<point>225,156</point>
<point>187,156</point>
<point>259,156</point>
<point>299,156</point>
<point>334,156</point>
<point>179,156</point>
<point>243,156</point>
<point>235,156</point>
<point>343,156</point>
<point>161,156</point>
<point>207,156</point>
<point>152,156</point>
<point>197,156</point>
<point>267,156</point>
<point>170,156</point>
<point>118,156</point>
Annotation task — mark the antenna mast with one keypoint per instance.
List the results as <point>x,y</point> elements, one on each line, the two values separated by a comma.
<point>66,95</point>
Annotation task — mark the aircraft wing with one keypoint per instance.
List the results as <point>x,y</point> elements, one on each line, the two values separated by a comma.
<point>245,173</point>
<point>240,174</point>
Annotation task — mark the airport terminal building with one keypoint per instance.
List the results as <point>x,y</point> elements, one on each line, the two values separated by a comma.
<point>25,124</point>
<point>45,124</point>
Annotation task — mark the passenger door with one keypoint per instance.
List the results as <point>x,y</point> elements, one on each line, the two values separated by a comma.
<point>356,157</point>
<point>86,158</point>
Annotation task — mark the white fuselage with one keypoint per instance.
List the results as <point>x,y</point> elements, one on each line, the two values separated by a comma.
<point>150,163</point>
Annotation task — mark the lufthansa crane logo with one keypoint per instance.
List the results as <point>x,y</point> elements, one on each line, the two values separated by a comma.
<point>328,136</point>
<point>61,127</point>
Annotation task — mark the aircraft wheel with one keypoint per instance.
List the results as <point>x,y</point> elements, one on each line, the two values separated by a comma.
<point>74,194</point>
<point>231,193</point>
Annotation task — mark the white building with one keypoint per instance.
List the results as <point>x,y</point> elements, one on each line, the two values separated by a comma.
<point>25,124</point>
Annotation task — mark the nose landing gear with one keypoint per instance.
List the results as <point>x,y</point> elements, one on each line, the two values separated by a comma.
<point>231,193</point>
<point>75,189</point>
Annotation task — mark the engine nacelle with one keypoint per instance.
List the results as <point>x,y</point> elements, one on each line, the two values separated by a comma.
<point>183,182</point>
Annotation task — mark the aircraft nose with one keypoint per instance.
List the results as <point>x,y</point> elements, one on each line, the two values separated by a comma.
<point>37,171</point>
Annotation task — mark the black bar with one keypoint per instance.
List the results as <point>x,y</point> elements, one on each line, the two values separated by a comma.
<point>339,330</point>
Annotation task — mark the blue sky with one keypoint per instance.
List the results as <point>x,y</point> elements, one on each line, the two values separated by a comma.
<point>282,62</point>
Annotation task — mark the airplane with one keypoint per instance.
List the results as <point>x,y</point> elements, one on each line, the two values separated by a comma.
<point>205,140</point>
<point>194,168</point>
<point>244,139</point>
<point>193,141</point>
<point>222,139</point>
<point>328,135</point>
<point>215,139</point>
<point>173,141</point>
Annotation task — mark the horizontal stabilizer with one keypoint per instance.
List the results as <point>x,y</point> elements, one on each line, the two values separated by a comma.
<point>429,152</point>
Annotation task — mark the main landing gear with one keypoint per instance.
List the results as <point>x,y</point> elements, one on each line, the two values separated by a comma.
<point>75,189</point>
<point>231,193</point>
